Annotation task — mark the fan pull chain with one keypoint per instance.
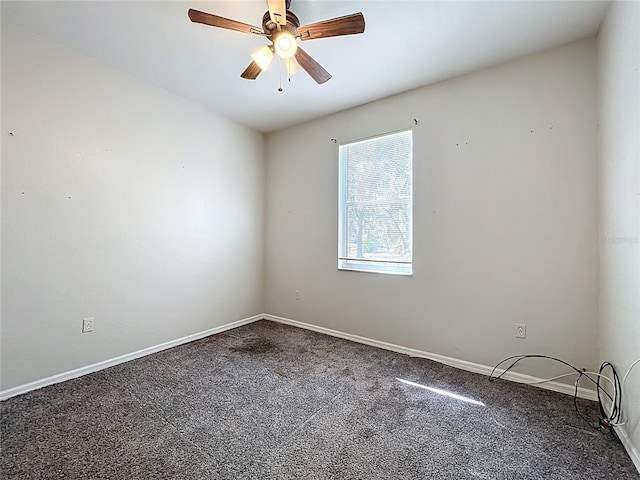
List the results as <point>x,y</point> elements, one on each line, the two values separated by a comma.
<point>280,73</point>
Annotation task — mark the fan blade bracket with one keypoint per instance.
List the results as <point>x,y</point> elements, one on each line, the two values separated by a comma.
<point>278,12</point>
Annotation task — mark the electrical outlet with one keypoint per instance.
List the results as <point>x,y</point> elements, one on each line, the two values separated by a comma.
<point>521,330</point>
<point>87,325</point>
<point>297,294</point>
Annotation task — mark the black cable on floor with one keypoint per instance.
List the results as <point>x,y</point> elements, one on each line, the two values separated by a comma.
<point>606,419</point>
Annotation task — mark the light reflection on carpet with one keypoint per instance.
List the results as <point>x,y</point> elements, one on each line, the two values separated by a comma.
<point>442,392</point>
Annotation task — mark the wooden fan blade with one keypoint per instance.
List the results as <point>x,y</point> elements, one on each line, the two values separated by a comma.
<point>347,25</point>
<point>215,21</point>
<point>313,68</point>
<point>252,71</point>
<point>278,11</point>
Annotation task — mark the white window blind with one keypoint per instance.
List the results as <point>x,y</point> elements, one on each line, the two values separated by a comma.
<point>376,204</point>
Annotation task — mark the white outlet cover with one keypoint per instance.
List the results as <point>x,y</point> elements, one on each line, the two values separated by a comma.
<point>87,325</point>
<point>521,330</point>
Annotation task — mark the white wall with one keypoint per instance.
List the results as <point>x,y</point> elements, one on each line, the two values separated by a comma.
<point>505,217</point>
<point>121,202</point>
<point>619,86</point>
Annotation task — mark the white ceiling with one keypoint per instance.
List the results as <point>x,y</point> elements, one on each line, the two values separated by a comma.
<point>406,44</point>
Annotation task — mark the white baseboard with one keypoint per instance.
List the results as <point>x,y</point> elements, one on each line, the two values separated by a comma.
<point>452,362</point>
<point>78,372</point>
<point>624,437</point>
<point>631,449</point>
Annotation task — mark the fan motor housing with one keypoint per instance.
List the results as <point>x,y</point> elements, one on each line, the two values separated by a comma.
<point>270,27</point>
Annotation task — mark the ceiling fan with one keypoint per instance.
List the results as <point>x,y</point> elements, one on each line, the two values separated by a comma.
<point>282,28</point>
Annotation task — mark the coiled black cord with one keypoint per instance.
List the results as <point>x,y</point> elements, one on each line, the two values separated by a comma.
<point>615,416</point>
<point>606,419</point>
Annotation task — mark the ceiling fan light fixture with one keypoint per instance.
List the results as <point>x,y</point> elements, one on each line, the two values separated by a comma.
<point>263,57</point>
<point>286,45</point>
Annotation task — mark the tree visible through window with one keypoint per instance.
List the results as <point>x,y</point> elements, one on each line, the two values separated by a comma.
<point>375,204</point>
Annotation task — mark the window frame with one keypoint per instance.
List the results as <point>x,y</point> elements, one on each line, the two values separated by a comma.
<point>381,266</point>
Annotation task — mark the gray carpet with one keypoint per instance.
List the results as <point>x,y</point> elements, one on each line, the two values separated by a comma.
<point>268,401</point>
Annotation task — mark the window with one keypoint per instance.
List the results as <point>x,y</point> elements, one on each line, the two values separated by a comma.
<point>375,205</point>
